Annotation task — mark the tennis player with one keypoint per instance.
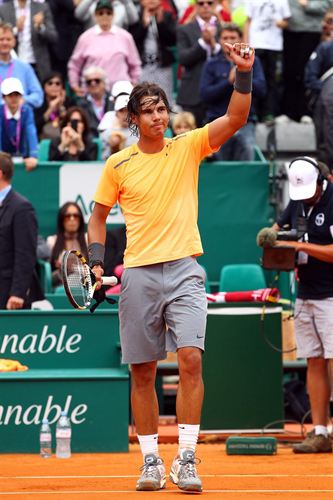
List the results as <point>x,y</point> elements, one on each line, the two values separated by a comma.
<point>163,303</point>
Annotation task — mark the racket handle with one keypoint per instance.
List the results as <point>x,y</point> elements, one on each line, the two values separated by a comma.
<point>109,280</point>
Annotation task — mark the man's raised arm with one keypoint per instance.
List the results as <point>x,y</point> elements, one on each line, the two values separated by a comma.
<point>221,129</point>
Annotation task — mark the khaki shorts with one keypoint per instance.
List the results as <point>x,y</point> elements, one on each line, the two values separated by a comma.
<point>314,328</point>
<point>162,307</point>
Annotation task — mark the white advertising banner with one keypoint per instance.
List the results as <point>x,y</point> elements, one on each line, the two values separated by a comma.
<point>78,182</point>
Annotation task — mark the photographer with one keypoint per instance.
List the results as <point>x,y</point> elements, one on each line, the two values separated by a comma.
<point>75,141</point>
<point>311,207</point>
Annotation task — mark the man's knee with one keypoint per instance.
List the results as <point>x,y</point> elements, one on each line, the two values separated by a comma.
<point>143,375</point>
<point>190,362</point>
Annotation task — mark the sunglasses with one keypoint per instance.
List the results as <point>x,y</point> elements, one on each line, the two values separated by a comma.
<point>57,83</point>
<point>71,216</point>
<point>93,81</point>
<point>207,2</point>
<point>103,13</point>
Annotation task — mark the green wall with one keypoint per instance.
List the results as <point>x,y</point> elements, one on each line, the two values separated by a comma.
<point>233,204</point>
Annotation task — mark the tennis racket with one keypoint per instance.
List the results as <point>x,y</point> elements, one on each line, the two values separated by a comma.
<point>79,280</point>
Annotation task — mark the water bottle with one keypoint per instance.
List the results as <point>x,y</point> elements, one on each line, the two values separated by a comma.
<point>45,439</point>
<point>63,436</point>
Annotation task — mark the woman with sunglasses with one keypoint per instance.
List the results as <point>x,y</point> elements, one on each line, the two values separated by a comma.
<point>54,107</point>
<point>70,235</point>
<point>75,142</point>
<point>97,100</point>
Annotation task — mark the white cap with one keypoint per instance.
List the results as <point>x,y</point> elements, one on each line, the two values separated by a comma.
<point>121,87</point>
<point>121,102</point>
<point>303,176</point>
<point>10,85</point>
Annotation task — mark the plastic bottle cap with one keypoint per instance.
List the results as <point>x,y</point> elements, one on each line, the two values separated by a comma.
<point>45,421</point>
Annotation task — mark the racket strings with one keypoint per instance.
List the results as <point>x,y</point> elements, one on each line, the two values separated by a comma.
<point>79,281</point>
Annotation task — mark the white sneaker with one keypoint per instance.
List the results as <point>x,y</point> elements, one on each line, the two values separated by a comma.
<point>306,119</point>
<point>183,472</point>
<point>153,474</point>
<point>282,119</point>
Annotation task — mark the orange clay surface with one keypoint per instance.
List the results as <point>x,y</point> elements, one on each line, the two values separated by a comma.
<point>113,476</point>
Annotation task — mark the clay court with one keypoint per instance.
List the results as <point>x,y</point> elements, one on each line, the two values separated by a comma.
<point>113,476</point>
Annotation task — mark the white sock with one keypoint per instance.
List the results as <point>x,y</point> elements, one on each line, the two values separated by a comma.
<point>149,444</point>
<point>321,429</point>
<point>188,436</point>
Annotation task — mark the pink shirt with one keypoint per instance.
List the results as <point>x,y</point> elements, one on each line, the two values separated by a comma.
<point>114,51</point>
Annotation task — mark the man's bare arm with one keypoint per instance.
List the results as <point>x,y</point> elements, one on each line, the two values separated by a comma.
<point>97,224</point>
<point>320,252</point>
<point>221,129</point>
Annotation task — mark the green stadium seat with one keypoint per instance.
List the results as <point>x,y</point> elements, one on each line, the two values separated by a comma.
<point>44,150</point>
<point>98,141</point>
<point>241,277</point>
<point>45,275</point>
<point>168,133</point>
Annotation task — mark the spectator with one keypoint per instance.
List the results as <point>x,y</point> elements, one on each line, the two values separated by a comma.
<point>19,285</point>
<point>97,100</point>
<point>154,34</point>
<point>54,107</point>
<point>311,203</point>
<point>327,26</point>
<point>33,93</point>
<point>75,142</point>
<point>319,84</point>
<point>263,30</point>
<point>222,13</point>
<point>217,85</point>
<point>183,122</point>
<point>18,134</point>
<point>71,235</point>
<point>34,31</point>
<point>113,129</point>
<point>125,13</point>
<point>106,46</point>
<point>300,39</point>
<point>197,41</point>
<point>69,29</point>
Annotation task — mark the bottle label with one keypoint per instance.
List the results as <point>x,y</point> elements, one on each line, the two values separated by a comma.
<point>63,433</point>
<point>45,436</point>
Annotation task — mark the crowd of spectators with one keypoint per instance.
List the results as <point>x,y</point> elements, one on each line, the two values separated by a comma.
<point>67,68</point>
<point>71,53</point>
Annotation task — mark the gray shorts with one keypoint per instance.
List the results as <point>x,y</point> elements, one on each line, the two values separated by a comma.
<point>162,307</point>
<point>314,328</point>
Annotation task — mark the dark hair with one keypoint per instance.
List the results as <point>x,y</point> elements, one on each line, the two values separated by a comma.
<point>144,89</point>
<point>53,74</point>
<point>59,245</point>
<point>6,165</point>
<point>231,27</point>
<point>67,116</point>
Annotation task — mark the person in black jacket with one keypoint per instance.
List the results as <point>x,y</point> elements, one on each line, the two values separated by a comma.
<point>19,285</point>
<point>154,35</point>
<point>318,82</point>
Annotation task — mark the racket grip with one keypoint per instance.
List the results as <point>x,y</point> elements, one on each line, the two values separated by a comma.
<point>109,280</point>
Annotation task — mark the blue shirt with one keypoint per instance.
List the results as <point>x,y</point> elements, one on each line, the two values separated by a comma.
<point>215,89</point>
<point>33,92</point>
<point>4,192</point>
<point>28,144</point>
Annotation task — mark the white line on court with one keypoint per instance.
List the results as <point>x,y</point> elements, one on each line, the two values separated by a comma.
<point>135,476</point>
<point>126,492</point>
